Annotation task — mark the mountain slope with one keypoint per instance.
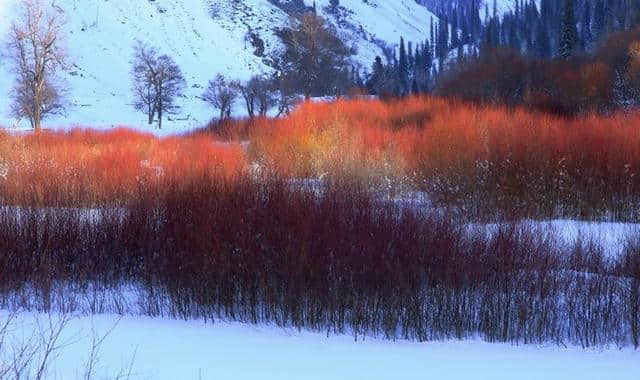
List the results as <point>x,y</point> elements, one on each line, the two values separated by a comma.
<point>205,37</point>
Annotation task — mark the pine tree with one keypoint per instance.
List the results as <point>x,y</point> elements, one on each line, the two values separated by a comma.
<point>377,77</point>
<point>454,30</point>
<point>542,43</point>
<point>415,90</point>
<point>411,59</point>
<point>432,37</point>
<point>475,22</point>
<point>403,68</point>
<point>599,16</point>
<point>569,32</point>
<point>585,29</point>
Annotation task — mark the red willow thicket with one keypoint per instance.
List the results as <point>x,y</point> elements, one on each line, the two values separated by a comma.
<point>488,161</point>
<point>92,168</point>
<point>337,260</point>
<point>202,236</point>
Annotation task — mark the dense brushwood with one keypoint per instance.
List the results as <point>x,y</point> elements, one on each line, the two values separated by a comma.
<point>337,260</point>
<point>91,168</point>
<point>203,232</point>
<point>487,161</point>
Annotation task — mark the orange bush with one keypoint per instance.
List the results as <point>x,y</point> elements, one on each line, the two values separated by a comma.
<point>465,154</point>
<point>91,167</point>
<point>483,159</point>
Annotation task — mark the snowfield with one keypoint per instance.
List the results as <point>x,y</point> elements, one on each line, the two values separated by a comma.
<point>166,349</point>
<point>205,37</point>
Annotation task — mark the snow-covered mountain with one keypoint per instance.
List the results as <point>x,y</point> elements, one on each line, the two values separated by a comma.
<point>505,6</point>
<point>206,37</point>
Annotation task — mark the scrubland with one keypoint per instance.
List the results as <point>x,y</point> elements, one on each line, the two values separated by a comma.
<point>216,224</point>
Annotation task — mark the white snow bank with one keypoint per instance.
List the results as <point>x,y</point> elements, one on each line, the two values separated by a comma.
<point>612,236</point>
<point>168,349</point>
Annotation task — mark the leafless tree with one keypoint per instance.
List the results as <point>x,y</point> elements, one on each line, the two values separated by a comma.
<point>284,86</point>
<point>265,95</point>
<point>145,58</point>
<point>157,81</point>
<point>28,355</point>
<point>36,51</point>
<point>221,94</point>
<point>258,95</point>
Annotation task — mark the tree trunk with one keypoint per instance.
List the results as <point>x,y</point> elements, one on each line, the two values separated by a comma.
<point>150,114</point>
<point>634,307</point>
<point>160,105</point>
<point>37,114</point>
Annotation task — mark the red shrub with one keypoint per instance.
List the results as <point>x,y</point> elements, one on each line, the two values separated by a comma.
<point>94,167</point>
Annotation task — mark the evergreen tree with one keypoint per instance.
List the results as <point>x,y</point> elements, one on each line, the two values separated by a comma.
<point>415,90</point>
<point>403,69</point>
<point>569,32</point>
<point>542,45</point>
<point>586,36</point>
<point>432,37</point>
<point>411,59</point>
<point>599,18</point>
<point>377,76</point>
<point>454,30</point>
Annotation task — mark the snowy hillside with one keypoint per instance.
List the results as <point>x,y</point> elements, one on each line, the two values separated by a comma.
<point>502,6</point>
<point>205,37</point>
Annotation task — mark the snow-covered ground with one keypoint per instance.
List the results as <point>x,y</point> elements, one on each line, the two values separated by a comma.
<point>205,37</point>
<point>168,349</point>
<point>611,236</point>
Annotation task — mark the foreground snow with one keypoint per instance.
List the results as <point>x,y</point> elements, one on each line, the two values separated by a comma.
<point>611,236</point>
<point>168,349</point>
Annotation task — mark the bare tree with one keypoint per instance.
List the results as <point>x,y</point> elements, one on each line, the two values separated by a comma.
<point>286,96</point>
<point>265,95</point>
<point>221,94</point>
<point>145,61</point>
<point>258,96</point>
<point>248,92</point>
<point>37,55</point>
<point>157,81</point>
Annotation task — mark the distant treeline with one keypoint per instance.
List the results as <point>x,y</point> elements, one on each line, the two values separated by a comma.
<point>566,57</point>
